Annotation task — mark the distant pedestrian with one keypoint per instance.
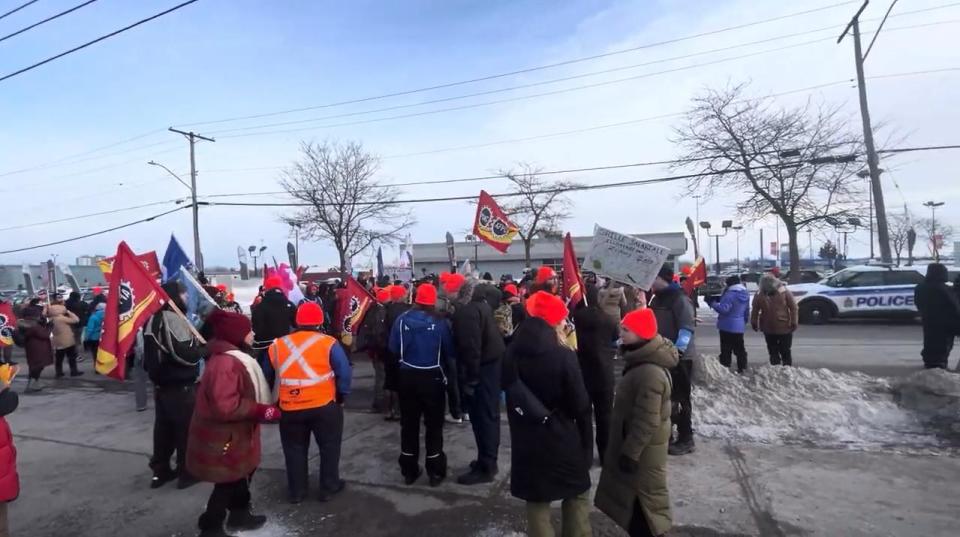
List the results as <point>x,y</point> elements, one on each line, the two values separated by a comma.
<point>546,279</point>
<point>370,339</point>
<point>64,342</point>
<point>633,484</point>
<point>597,334</point>
<point>91,334</point>
<point>613,301</point>
<point>775,314</point>
<point>940,312</point>
<point>36,331</point>
<point>78,307</point>
<point>733,309</point>
<point>9,480</point>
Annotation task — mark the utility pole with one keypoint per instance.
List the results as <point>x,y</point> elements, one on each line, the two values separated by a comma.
<point>883,235</point>
<point>192,137</point>
<point>933,228</point>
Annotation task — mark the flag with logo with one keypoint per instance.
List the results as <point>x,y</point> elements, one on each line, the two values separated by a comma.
<point>174,259</point>
<point>573,288</point>
<point>146,260</point>
<point>8,323</point>
<point>134,296</point>
<point>697,277</point>
<point>492,225</point>
<point>353,301</point>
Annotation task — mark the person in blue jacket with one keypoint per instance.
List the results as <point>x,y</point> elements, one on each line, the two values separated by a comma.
<point>91,333</point>
<point>733,309</point>
<point>423,340</point>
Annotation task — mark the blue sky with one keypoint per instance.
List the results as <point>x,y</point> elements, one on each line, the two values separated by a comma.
<point>225,58</point>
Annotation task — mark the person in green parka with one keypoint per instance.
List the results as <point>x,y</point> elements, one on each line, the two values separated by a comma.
<point>633,484</point>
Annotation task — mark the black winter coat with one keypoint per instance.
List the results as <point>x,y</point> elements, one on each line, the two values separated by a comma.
<point>477,338</point>
<point>371,335</point>
<point>549,461</point>
<point>273,317</point>
<point>392,312</point>
<point>490,294</point>
<point>597,334</point>
<point>938,306</point>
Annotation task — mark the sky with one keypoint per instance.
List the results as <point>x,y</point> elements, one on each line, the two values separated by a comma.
<point>78,132</point>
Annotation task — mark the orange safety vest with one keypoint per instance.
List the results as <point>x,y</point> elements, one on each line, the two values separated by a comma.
<point>304,375</point>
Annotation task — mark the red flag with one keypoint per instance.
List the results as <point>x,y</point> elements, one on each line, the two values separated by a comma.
<point>8,323</point>
<point>573,287</point>
<point>492,225</point>
<point>697,277</point>
<point>353,301</point>
<point>134,296</point>
<point>148,260</point>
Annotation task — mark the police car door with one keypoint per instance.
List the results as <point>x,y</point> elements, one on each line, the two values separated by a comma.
<point>861,293</point>
<point>900,287</point>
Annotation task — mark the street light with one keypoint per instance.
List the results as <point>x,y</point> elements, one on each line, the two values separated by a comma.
<point>738,229</point>
<point>476,245</point>
<point>933,227</point>
<point>198,258</point>
<point>840,228</point>
<point>726,225</point>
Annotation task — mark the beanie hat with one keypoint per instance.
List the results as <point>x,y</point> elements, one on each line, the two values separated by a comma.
<point>686,270</point>
<point>309,314</point>
<point>666,273</point>
<point>641,322</point>
<point>733,280</point>
<point>383,295</point>
<point>397,292</point>
<point>230,327</point>
<point>511,289</point>
<point>221,287</point>
<point>545,273</point>
<point>273,282</point>
<point>426,295</point>
<point>453,282</point>
<point>548,307</point>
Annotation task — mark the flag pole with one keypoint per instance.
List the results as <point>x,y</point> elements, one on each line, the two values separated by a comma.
<point>193,329</point>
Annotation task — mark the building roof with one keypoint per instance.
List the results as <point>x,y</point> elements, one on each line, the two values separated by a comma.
<point>11,276</point>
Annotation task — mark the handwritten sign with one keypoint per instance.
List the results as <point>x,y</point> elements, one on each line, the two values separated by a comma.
<point>624,258</point>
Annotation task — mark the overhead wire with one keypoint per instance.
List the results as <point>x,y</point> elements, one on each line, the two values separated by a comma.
<point>877,33</point>
<point>46,20</point>
<point>18,8</point>
<point>90,215</point>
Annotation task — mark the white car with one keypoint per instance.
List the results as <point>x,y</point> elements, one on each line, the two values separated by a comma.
<point>877,291</point>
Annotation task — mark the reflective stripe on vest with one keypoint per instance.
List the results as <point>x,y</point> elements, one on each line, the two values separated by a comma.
<point>305,376</point>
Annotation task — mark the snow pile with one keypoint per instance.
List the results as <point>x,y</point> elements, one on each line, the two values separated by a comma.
<point>934,394</point>
<point>792,405</point>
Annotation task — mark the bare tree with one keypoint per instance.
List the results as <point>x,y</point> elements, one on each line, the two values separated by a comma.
<point>795,163</point>
<point>347,205</point>
<point>900,226</point>
<point>930,230</point>
<point>539,206</point>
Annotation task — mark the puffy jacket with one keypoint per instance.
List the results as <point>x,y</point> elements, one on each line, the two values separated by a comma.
<point>937,303</point>
<point>613,302</point>
<point>94,325</point>
<point>273,317</point>
<point>774,308</point>
<point>422,341</point>
<point>171,352</point>
<point>9,479</point>
<point>478,338</point>
<point>733,309</point>
<point>63,322</point>
<point>675,318</point>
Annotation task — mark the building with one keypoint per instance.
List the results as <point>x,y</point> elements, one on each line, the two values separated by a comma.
<point>90,260</point>
<point>12,277</point>
<point>432,257</point>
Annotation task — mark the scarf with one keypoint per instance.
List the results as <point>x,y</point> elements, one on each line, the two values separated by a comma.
<point>260,386</point>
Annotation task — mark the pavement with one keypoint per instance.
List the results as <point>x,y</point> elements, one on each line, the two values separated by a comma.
<point>83,452</point>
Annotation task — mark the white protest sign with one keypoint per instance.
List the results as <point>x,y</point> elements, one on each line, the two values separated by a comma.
<point>623,258</point>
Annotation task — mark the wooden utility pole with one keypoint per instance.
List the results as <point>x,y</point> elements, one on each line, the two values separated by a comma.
<point>192,137</point>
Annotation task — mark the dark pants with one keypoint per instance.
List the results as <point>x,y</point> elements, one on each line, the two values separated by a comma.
<point>70,353</point>
<point>638,523</point>
<point>34,372</point>
<point>484,408</point>
<point>263,359</point>
<point>681,376</point>
<point>233,496</point>
<point>779,345</point>
<point>602,401</point>
<point>732,343</point>
<point>171,425</point>
<point>8,354</point>
<point>937,344</point>
<point>456,402</point>
<point>422,396</point>
<point>326,425</point>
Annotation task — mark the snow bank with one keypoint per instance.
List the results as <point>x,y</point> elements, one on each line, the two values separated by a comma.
<point>818,407</point>
<point>933,394</point>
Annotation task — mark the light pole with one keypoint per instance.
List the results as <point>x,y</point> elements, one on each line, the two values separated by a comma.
<point>697,197</point>
<point>296,233</point>
<point>840,228</point>
<point>738,229</point>
<point>726,225</point>
<point>476,246</point>
<point>933,228</point>
<point>196,214</point>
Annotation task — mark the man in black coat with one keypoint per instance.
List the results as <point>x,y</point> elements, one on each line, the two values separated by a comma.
<point>78,307</point>
<point>393,309</point>
<point>480,351</point>
<point>597,335</point>
<point>940,313</point>
<point>274,317</point>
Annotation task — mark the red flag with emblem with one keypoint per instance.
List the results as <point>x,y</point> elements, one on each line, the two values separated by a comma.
<point>573,287</point>
<point>134,296</point>
<point>148,260</point>
<point>8,323</point>
<point>697,276</point>
<point>353,301</point>
<point>492,225</point>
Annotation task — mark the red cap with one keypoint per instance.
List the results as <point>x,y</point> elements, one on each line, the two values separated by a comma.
<point>273,282</point>
<point>545,273</point>
<point>309,314</point>
<point>426,295</point>
<point>548,307</point>
<point>222,287</point>
<point>511,289</point>
<point>641,322</point>
<point>444,276</point>
<point>453,283</point>
<point>97,290</point>
<point>686,270</point>
<point>383,295</point>
<point>397,292</point>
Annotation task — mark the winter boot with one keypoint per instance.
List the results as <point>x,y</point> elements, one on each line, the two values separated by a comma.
<point>682,447</point>
<point>33,386</point>
<point>212,527</point>
<point>326,495</point>
<point>436,480</point>
<point>245,520</point>
<point>412,477</point>
<point>475,476</point>
<point>161,478</point>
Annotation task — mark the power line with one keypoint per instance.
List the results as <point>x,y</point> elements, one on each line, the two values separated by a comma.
<point>46,20</point>
<point>529,69</point>
<point>18,8</point>
<point>61,161</point>
<point>877,33</point>
<point>91,215</point>
<point>95,41</point>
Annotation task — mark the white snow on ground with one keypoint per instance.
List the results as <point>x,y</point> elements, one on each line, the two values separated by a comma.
<point>817,407</point>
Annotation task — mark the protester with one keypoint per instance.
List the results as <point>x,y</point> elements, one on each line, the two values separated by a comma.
<point>775,314</point>
<point>733,309</point>
<point>171,354</point>
<point>633,484</point>
<point>9,479</point>
<point>224,447</point>
<point>613,301</point>
<point>312,294</point>
<point>231,304</point>
<point>91,334</point>
<point>597,334</point>
<point>273,318</point>
<point>449,286</point>
<point>391,380</point>
<point>518,312</point>
<point>370,339</point>
<point>940,313</point>
<point>314,380</point>
<point>676,322</point>
<point>423,342</point>
<point>35,329</point>
<point>480,351</point>
<point>64,342</point>
<point>551,438</point>
<point>78,307</point>
<point>505,315</point>
<point>546,279</point>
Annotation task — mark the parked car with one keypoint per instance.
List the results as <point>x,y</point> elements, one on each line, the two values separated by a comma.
<point>861,291</point>
<point>806,276</point>
<point>713,286</point>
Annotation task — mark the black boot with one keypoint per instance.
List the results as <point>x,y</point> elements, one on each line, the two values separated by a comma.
<point>475,476</point>
<point>682,447</point>
<point>161,478</point>
<point>325,495</point>
<point>211,528</point>
<point>245,520</point>
<point>411,478</point>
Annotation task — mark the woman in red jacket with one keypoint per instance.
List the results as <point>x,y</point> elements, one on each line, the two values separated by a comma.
<point>9,480</point>
<point>224,442</point>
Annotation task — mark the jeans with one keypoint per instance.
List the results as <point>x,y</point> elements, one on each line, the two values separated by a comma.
<point>575,518</point>
<point>234,496</point>
<point>732,343</point>
<point>70,353</point>
<point>484,408</point>
<point>681,377</point>
<point>326,425</point>
<point>422,396</point>
<point>174,409</point>
<point>779,345</point>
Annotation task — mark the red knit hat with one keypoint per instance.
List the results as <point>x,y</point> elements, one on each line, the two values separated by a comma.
<point>511,289</point>
<point>453,283</point>
<point>383,295</point>
<point>273,282</point>
<point>230,327</point>
<point>426,295</point>
<point>397,292</point>
<point>222,287</point>
<point>641,322</point>
<point>309,314</point>
<point>548,307</point>
<point>545,273</point>
<point>686,270</point>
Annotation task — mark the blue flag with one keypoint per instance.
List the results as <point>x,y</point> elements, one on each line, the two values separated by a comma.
<point>174,259</point>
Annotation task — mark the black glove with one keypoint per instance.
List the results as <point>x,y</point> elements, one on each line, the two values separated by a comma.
<point>627,465</point>
<point>341,398</point>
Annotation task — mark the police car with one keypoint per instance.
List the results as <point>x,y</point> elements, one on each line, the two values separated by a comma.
<point>877,291</point>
